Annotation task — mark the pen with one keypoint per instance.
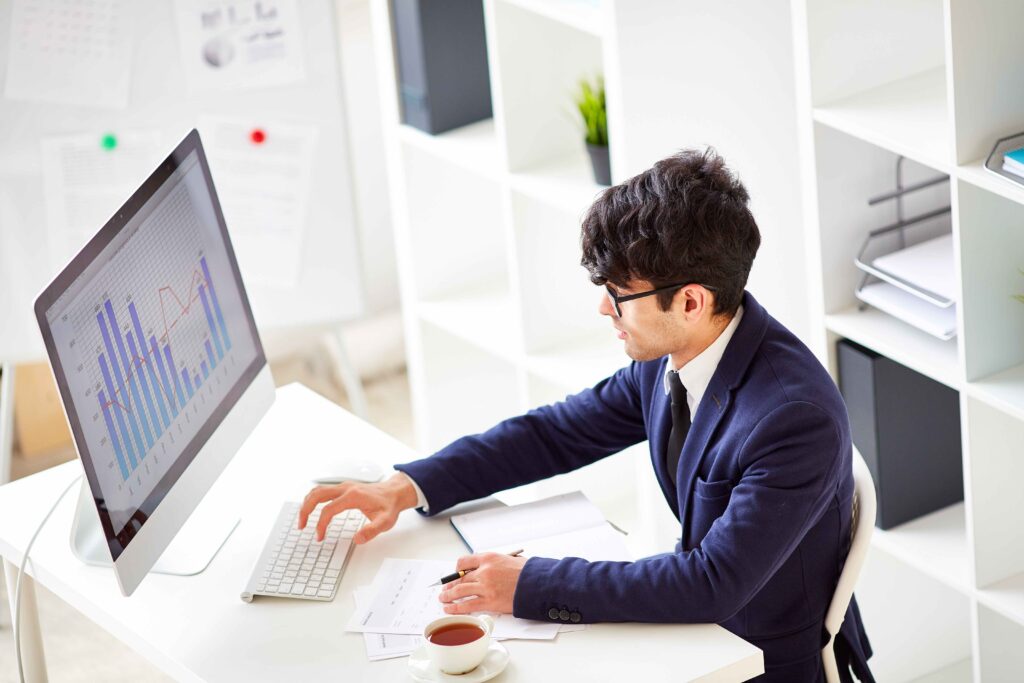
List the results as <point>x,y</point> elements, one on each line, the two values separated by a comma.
<point>455,576</point>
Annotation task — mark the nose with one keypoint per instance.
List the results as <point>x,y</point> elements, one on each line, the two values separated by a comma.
<point>604,306</point>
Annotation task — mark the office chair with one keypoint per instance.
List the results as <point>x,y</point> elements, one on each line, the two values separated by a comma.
<point>863,524</point>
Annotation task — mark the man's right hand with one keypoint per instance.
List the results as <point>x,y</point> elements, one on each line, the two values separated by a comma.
<point>380,502</point>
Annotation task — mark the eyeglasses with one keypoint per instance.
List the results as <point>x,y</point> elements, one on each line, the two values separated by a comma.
<point>617,299</point>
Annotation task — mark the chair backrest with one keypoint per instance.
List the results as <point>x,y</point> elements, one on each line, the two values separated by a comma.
<point>862,525</point>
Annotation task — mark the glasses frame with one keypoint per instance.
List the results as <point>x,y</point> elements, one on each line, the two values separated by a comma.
<point>617,299</point>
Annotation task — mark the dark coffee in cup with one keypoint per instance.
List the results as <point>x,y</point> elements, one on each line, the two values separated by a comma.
<point>455,634</point>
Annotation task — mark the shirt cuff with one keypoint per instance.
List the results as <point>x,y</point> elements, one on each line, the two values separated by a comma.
<point>421,500</point>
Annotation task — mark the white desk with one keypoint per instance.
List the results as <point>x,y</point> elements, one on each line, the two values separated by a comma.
<point>197,629</point>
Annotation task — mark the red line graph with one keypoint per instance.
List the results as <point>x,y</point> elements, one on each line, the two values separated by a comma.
<point>137,361</point>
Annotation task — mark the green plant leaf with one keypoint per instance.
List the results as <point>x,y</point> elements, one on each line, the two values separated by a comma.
<point>590,102</point>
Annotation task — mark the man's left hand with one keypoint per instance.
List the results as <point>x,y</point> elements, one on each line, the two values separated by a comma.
<point>490,587</point>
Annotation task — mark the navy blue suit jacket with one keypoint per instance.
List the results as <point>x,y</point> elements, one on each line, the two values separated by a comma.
<point>763,498</point>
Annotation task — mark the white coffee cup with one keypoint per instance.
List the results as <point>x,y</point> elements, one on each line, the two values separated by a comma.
<point>459,659</point>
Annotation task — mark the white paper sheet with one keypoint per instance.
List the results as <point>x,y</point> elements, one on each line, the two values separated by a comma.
<point>595,543</point>
<point>85,183</point>
<point>928,264</point>
<point>70,52</point>
<point>403,603</point>
<point>264,191</point>
<point>384,645</point>
<point>231,44</point>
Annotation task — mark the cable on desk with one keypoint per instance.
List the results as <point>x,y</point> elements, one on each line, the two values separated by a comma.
<point>21,571</point>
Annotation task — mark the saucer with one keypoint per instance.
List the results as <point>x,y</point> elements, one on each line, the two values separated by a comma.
<point>423,670</point>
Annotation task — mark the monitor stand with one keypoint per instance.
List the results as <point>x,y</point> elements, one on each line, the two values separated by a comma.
<point>191,551</point>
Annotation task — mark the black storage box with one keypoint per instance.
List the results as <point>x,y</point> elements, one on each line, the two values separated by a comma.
<point>441,52</point>
<point>907,427</point>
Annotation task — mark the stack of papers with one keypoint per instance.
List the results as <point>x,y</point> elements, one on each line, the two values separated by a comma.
<point>918,286</point>
<point>392,612</point>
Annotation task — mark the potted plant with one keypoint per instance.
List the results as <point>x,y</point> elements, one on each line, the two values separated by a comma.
<point>590,103</point>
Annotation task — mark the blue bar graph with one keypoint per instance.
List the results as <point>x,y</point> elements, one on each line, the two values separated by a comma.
<point>137,363</point>
<point>209,321</point>
<point>168,390</point>
<point>216,304</point>
<point>118,414</point>
<point>113,435</point>
<point>171,369</point>
<point>121,380</point>
<point>139,404</point>
<point>126,368</point>
<point>188,382</point>
<point>209,354</point>
<point>142,358</point>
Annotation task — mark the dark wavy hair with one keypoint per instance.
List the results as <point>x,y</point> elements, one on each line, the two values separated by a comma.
<point>683,220</point>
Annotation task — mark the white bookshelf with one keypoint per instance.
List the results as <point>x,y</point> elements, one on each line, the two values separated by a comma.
<point>929,80</point>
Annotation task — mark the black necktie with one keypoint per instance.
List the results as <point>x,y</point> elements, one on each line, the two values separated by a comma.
<point>680,424</point>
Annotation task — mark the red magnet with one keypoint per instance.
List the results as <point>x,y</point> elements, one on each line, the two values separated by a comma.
<point>257,136</point>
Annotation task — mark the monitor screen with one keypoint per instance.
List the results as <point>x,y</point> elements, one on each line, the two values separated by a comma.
<point>151,339</point>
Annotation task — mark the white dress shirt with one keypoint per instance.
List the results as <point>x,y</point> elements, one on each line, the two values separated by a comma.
<point>697,374</point>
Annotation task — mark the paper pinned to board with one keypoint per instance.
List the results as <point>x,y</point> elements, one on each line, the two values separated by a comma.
<point>403,603</point>
<point>87,177</point>
<point>238,44</point>
<point>263,171</point>
<point>76,53</point>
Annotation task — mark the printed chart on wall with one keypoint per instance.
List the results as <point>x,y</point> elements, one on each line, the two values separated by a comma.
<point>152,336</point>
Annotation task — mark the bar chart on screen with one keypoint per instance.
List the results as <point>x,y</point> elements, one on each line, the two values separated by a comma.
<point>152,341</point>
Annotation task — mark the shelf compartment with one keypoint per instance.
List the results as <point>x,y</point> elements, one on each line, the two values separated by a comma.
<point>1003,390</point>
<point>467,389</point>
<point>558,298</point>
<point>977,175</point>
<point>993,441</point>
<point>473,147</point>
<point>583,15</point>
<point>536,66</point>
<point>918,625</point>
<point>902,343</point>
<point>458,230</point>
<point>991,258</point>
<point>935,544</point>
<point>909,117</point>
<point>1001,656</point>
<point>482,315</point>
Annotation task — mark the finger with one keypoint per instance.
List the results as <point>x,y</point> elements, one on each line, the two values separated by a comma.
<point>345,501</point>
<point>315,497</point>
<point>372,528</point>
<point>469,561</point>
<point>458,590</point>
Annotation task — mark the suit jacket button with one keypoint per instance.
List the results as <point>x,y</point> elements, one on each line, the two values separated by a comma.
<point>553,614</point>
<point>564,615</point>
<point>575,617</point>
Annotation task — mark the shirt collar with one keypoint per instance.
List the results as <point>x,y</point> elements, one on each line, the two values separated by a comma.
<point>697,374</point>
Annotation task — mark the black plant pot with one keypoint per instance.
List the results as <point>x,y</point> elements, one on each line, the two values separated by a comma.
<point>601,163</point>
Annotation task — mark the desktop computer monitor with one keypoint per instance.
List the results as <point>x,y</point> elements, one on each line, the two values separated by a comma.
<point>160,369</point>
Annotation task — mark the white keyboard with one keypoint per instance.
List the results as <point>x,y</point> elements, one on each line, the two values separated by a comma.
<point>294,565</point>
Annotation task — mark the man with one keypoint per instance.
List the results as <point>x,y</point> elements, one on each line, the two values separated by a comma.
<point>749,440</point>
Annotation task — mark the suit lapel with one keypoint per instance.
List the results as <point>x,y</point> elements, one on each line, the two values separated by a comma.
<point>713,407</point>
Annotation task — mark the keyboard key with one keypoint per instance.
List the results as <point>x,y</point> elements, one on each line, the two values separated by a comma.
<point>310,592</point>
<point>298,588</point>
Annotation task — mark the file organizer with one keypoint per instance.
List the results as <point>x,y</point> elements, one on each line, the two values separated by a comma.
<point>914,283</point>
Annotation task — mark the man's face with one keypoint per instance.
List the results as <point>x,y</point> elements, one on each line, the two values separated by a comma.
<point>647,331</point>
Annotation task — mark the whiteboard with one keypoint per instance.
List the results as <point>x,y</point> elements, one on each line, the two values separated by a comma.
<point>329,286</point>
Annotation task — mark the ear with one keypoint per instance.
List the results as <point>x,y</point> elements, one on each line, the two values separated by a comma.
<point>694,302</point>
